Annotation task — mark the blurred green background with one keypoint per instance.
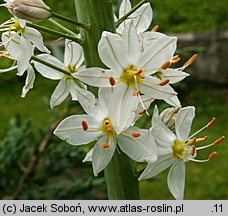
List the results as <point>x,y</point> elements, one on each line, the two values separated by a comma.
<point>59,173</point>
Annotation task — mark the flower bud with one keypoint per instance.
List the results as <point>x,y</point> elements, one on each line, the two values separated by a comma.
<point>32,10</point>
<point>168,116</point>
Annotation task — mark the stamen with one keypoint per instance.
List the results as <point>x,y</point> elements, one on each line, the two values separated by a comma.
<point>105,145</point>
<point>191,141</point>
<point>211,122</point>
<point>155,28</point>
<point>137,72</point>
<point>107,122</point>
<point>135,134</point>
<point>136,91</point>
<point>211,156</point>
<point>112,81</point>
<point>191,60</point>
<point>165,65</point>
<point>142,112</point>
<point>164,82</point>
<point>84,125</point>
<point>142,76</point>
<point>110,129</point>
<point>193,150</point>
<point>219,140</point>
<point>176,60</point>
<point>176,57</point>
<point>201,139</point>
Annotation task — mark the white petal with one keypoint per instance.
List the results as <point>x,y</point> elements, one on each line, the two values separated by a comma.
<point>29,81</point>
<point>142,17</point>
<point>46,71</point>
<point>36,38</point>
<point>163,136</point>
<point>73,88</point>
<point>125,7</point>
<point>151,88</point>
<point>130,42</point>
<point>174,75</point>
<point>73,54</point>
<point>183,122</point>
<point>111,53</point>
<point>153,169</point>
<point>142,148</point>
<point>70,129</point>
<point>155,56</point>
<point>104,95</point>
<point>95,76</point>
<point>19,48</point>
<point>60,93</point>
<point>173,101</point>
<point>176,180</point>
<point>122,108</point>
<point>88,157</point>
<point>102,156</point>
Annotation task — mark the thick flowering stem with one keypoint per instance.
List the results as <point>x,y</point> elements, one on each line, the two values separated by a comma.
<point>60,34</point>
<point>120,173</point>
<point>123,18</point>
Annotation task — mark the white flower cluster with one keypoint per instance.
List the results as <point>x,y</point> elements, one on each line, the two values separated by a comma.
<point>138,72</point>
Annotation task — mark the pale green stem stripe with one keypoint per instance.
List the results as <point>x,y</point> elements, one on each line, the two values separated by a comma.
<point>123,18</point>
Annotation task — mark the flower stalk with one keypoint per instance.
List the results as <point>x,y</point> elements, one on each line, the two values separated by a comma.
<point>120,175</point>
<point>50,31</point>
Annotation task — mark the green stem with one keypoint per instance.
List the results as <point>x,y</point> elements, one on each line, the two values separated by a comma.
<point>120,175</point>
<point>50,65</point>
<point>123,18</point>
<point>50,31</point>
<point>72,21</point>
<point>63,28</point>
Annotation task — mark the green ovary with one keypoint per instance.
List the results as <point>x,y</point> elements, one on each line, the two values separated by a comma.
<point>179,151</point>
<point>128,76</point>
<point>107,127</point>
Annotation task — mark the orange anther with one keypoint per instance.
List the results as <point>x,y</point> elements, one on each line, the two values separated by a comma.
<point>211,156</point>
<point>155,28</point>
<point>142,112</point>
<point>211,122</point>
<point>176,60</point>
<point>176,57</point>
<point>136,91</point>
<point>138,72</point>
<point>164,82</point>
<point>142,76</point>
<point>84,125</point>
<point>112,81</point>
<point>191,141</point>
<point>105,145</point>
<point>219,140</point>
<point>135,134</point>
<point>165,65</point>
<point>201,139</point>
<point>191,60</point>
<point>193,151</point>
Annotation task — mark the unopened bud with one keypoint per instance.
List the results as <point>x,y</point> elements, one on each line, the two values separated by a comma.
<point>168,116</point>
<point>32,10</point>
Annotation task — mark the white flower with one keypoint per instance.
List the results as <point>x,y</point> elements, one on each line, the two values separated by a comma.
<point>142,17</point>
<point>73,59</point>
<point>176,149</point>
<point>32,10</point>
<point>19,50</point>
<point>108,122</point>
<point>30,34</point>
<point>131,67</point>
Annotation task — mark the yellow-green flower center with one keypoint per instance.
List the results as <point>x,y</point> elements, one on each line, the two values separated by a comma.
<point>158,74</point>
<point>128,76</point>
<point>107,127</point>
<point>179,150</point>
